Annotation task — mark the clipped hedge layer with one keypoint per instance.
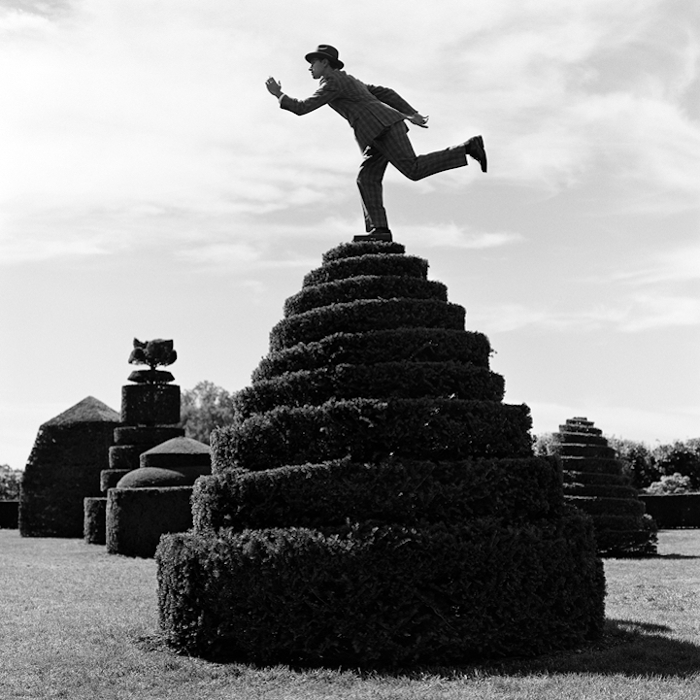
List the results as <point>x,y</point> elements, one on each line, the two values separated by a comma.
<point>380,380</point>
<point>384,595</point>
<point>367,429</point>
<point>393,345</point>
<point>396,491</point>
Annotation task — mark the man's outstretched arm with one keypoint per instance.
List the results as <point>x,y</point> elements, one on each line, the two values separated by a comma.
<point>321,97</point>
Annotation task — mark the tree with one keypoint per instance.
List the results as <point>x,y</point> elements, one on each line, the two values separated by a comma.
<point>204,408</point>
<point>680,458</point>
<point>10,480</point>
<point>638,462</point>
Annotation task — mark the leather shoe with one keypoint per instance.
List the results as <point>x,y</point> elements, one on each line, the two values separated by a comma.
<point>379,233</point>
<point>475,148</point>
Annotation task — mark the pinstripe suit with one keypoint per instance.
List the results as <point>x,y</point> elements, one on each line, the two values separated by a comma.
<point>376,115</point>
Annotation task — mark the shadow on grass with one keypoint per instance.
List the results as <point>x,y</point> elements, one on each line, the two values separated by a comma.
<point>677,556</point>
<point>627,648</point>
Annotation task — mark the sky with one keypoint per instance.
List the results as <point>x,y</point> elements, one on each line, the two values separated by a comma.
<point>150,187</point>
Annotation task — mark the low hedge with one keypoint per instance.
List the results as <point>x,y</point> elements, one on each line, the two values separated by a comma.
<point>125,457</point>
<point>591,465</point>
<point>387,596</point>
<point>640,542</point>
<point>399,492</point>
<point>364,287</point>
<point>9,515</point>
<point>595,505</point>
<point>394,345</point>
<point>594,478</point>
<point>373,264</point>
<point>365,315</point>
<point>370,430</point>
<point>354,250</point>
<point>605,521</point>
<point>136,518</point>
<point>587,452</point>
<point>600,490</point>
<point>402,379</point>
<point>94,522</point>
<point>674,510</point>
<point>146,436</point>
<point>109,478</point>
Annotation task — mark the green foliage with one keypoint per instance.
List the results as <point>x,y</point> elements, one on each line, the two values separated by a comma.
<point>373,501</point>
<point>673,483</point>
<point>382,595</point>
<point>383,380</point>
<point>393,345</point>
<point>364,287</point>
<point>365,315</point>
<point>205,408</point>
<point>680,458</point>
<point>10,482</point>
<point>396,491</point>
<point>638,462</point>
<point>136,518</point>
<point>385,265</point>
<point>371,430</point>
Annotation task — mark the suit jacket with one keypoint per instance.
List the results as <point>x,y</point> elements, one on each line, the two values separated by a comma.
<point>370,109</point>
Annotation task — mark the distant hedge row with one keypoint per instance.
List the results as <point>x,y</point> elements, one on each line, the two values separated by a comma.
<point>370,430</point>
<point>402,492</point>
<point>394,345</point>
<point>401,379</point>
<point>674,510</point>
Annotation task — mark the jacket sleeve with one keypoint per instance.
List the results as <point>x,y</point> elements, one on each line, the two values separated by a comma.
<point>327,92</point>
<point>392,98</point>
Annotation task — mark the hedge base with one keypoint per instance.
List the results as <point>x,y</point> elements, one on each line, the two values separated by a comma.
<point>94,525</point>
<point>388,596</point>
<point>136,518</point>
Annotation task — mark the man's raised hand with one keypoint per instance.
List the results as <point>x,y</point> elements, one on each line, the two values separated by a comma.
<point>418,120</point>
<point>273,87</point>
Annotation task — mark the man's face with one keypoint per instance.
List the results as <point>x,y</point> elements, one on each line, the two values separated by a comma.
<point>317,68</point>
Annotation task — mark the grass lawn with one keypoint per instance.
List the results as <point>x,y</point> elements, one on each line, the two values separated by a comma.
<point>78,623</point>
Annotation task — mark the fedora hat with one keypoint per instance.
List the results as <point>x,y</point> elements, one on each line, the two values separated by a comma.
<point>325,51</point>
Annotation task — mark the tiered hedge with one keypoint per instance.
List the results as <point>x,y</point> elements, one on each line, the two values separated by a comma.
<point>394,345</point>
<point>368,429</point>
<point>365,315</point>
<point>365,287</point>
<point>375,502</point>
<point>399,380</point>
<point>594,482</point>
<point>399,491</point>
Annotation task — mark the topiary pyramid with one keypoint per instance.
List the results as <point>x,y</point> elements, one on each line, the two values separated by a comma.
<point>375,502</point>
<point>594,482</point>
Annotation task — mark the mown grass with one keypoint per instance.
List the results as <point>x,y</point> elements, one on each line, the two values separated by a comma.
<point>78,623</point>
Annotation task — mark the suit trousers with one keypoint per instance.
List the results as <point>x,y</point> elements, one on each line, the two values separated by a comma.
<point>393,146</point>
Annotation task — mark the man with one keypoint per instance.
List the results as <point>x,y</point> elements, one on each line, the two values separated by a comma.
<point>377,116</point>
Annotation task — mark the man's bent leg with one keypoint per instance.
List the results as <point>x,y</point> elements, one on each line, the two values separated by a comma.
<point>369,182</point>
<point>396,147</point>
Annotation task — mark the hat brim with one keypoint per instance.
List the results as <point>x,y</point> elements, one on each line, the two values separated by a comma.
<point>311,57</point>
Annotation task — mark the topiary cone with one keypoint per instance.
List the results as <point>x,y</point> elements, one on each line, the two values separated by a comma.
<point>375,501</point>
